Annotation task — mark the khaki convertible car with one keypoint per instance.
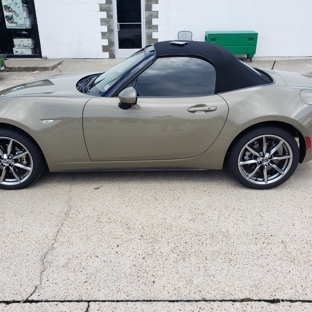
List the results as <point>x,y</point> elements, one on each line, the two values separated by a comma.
<point>170,106</point>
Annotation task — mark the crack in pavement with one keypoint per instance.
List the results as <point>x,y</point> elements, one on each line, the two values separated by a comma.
<point>243,300</point>
<point>88,307</point>
<point>51,247</point>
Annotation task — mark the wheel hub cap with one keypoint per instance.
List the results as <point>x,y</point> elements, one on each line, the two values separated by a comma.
<point>5,161</point>
<point>266,160</point>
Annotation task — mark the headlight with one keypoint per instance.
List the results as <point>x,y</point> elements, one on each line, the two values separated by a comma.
<point>306,96</point>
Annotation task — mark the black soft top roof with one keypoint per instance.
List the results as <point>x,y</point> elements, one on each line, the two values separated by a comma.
<point>231,73</point>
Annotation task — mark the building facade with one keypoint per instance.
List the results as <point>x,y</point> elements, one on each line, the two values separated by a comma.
<point>117,28</point>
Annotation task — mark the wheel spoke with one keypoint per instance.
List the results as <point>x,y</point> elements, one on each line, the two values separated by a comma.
<point>1,153</point>
<point>9,150</point>
<point>3,174</point>
<point>22,166</point>
<point>264,145</point>
<point>249,176</point>
<point>265,174</point>
<point>252,151</point>
<point>277,169</point>
<point>281,157</point>
<point>15,174</point>
<point>276,147</point>
<point>20,155</point>
<point>248,162</point>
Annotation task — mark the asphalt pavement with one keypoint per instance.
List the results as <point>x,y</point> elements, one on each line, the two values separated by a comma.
<point>153,241</point>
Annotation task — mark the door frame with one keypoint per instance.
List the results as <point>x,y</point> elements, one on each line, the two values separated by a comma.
<point>124,53</point>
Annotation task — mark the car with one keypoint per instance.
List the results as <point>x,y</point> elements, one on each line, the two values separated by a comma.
<point>174,105</point>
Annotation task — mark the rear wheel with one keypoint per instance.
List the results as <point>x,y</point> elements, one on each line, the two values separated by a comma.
<point>21,161</point>
<point>264,158</point>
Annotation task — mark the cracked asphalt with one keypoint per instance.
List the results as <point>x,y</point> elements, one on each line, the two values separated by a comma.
<point>155,241</point>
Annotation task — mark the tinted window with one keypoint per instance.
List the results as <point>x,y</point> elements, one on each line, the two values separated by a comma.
<point>177,76</point>
<point>109,78</point>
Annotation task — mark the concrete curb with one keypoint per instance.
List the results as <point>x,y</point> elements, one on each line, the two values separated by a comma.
<point>299,64</point>
<point>32,65</point>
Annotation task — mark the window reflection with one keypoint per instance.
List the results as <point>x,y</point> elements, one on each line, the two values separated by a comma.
<point>129,21</point>
<point>179,77</point>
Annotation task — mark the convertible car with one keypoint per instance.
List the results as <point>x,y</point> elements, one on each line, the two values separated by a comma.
<point>170,106</point>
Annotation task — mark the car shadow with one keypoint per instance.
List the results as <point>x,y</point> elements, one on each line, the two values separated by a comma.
<point>209,177</point>
<point>213,180</point>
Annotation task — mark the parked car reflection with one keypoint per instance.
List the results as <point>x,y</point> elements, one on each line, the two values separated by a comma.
<point>130,37</point>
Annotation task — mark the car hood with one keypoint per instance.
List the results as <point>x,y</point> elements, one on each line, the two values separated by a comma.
<point>63,85</point>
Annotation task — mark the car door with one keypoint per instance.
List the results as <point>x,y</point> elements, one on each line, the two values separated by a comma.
<point>177,115</point>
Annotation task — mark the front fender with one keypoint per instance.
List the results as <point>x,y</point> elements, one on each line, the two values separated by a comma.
<point>54,123</point>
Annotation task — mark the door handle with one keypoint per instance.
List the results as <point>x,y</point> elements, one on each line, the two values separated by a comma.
<point>205,109</point>
<point>118,26</point>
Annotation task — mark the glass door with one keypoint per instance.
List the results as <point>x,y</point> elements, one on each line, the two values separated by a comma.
<point>128,27</point>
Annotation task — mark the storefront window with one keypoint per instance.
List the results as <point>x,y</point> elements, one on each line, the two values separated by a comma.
<point>18,29</point>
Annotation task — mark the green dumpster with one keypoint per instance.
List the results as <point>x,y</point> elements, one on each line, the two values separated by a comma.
<point>2,63</point>
<point>238,42</point>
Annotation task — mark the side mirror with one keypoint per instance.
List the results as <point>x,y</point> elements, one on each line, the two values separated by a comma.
<point>127,98</point>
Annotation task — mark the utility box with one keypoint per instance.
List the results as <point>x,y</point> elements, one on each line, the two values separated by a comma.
<point>2,63</point>
<point>238,42</point>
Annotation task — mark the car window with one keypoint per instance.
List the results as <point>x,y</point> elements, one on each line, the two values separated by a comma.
<point>178,77</point>
<point>109,78</point>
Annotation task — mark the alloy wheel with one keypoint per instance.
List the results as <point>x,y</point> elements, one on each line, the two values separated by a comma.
<point>265,159</point>
<point>16,163</point>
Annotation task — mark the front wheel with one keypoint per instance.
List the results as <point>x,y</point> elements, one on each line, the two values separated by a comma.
<point>264,158</point>
<point>21,161</point>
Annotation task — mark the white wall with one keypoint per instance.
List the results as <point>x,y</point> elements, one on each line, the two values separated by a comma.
<point>284,26</point>
<point>70,28</point>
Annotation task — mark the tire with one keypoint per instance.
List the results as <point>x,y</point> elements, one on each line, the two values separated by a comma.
<point>264,158</point>
<point>21,161</point>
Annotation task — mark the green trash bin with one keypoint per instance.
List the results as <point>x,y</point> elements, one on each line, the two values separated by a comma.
<point>238,42</point>
<point>2,63</point>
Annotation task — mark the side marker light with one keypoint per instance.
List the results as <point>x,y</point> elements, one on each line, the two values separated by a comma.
<point>308,142</point>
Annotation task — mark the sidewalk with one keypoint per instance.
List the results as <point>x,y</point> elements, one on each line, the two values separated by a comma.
<point>300,64</point>
<point>63,65</point>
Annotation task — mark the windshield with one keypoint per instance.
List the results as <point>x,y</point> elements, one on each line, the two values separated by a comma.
<point>109,78</point>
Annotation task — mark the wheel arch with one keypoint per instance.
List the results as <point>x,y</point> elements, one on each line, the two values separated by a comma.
<point>15,128</point>
<point>277,124</point>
